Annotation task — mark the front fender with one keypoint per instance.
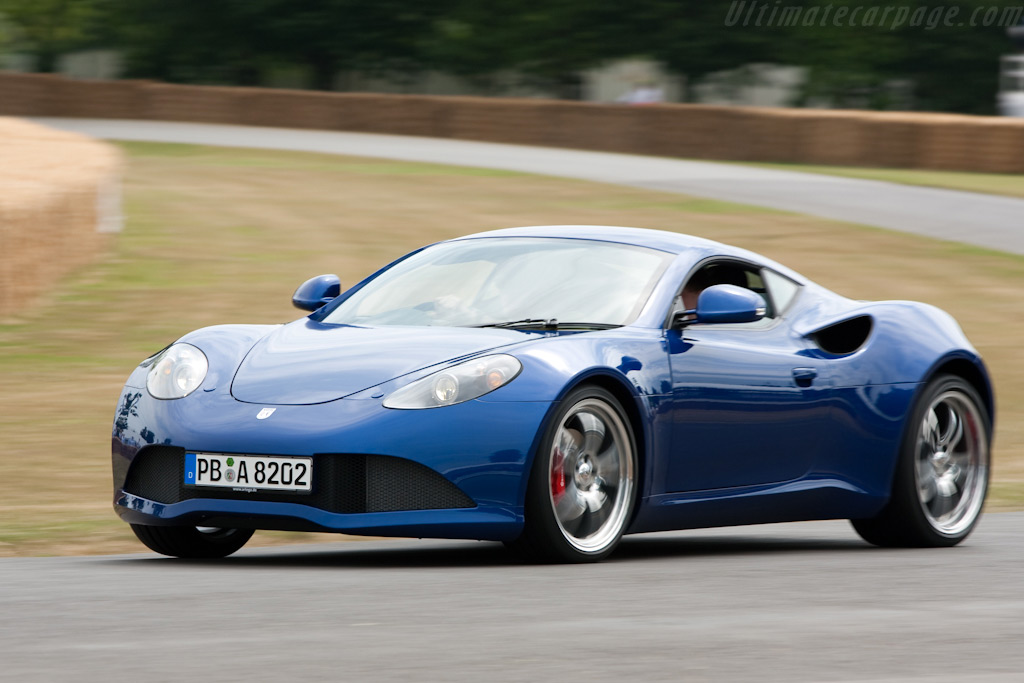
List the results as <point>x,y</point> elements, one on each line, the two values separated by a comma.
<point>224,345</point>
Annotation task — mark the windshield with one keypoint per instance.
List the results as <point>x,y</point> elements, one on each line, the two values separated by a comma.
<point>489,281</point>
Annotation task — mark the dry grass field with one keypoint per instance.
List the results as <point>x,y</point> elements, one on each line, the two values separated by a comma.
<point>1007,184</point>
<point>217,236</point>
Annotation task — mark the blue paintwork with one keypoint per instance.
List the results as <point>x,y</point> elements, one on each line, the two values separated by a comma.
<point>736,423</point>
<point>729,304</point>
<point>316,291</point>
<point>735,396</point>
<point>309,362</point>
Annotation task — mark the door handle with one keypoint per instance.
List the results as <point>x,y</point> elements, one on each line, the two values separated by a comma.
<point>804,377</point>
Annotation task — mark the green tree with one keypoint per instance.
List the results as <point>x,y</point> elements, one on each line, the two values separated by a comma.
<point>374,36</point>
<point>692,38</point>
<point>194,41</point>
<point>46,29</point>
<point>236,41</point>
<point>951,68</point>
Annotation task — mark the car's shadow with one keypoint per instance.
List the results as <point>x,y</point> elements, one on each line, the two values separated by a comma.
<point>643,547</point>
<point>405,554</point>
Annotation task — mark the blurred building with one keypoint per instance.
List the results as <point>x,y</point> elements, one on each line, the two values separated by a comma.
<point>1011,76</point>
<point>754,85</point>
<point>100,64</point>
<point>628,81</point>
<point>632,80</point>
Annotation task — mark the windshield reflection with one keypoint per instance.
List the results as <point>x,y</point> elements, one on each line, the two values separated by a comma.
<point>501,281</point>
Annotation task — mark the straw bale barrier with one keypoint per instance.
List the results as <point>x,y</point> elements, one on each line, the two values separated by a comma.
<point>59,192</point>
<point>841,137</point>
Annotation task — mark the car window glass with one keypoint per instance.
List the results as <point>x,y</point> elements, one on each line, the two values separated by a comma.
<point>781,288</point>
<point>429,283</point>
<point>487,281</point>
<point>729,273</point>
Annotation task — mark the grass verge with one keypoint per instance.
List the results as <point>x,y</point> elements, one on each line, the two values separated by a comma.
<point>1006,184</point>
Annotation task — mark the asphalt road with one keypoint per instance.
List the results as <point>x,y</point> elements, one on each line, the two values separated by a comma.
<point>984,220</point>
<point>793,602</point>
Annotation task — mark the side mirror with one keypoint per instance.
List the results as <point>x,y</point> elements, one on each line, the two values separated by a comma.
<point>725,304</point>
<point>317,291</point>
<point>730,304</point>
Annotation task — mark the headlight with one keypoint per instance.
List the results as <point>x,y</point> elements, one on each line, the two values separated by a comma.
<point>462,382</point>
<point>177,371</point>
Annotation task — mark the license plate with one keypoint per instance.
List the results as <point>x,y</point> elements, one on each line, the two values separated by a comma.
<point>249,472</point>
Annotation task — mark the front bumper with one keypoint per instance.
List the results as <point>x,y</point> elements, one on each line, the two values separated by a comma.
<point>381,469</point>
<point>492,524</point>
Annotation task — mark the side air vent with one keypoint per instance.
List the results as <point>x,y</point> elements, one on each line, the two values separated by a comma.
<point>845,337</point>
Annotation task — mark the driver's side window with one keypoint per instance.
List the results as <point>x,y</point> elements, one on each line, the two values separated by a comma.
<point>725,273</point>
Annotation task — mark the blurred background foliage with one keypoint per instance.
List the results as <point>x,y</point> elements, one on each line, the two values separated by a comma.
<point>550,43</point>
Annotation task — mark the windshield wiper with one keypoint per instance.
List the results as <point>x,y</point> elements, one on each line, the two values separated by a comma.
<point>549,324</point>
<point>539,323</point>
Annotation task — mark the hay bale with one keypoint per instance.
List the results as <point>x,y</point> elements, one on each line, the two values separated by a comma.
<point>841,137</point>
<point>59,192</point>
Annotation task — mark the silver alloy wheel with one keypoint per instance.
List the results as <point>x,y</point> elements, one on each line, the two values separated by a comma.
<point>591,475</point>
<point>951,469</point>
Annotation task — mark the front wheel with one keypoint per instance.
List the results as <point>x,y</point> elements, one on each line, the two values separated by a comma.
<point>583,483</point>
<point>192,542</point>
<point>942,475</point>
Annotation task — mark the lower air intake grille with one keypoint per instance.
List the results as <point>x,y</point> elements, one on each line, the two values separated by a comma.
<point>342,483</point>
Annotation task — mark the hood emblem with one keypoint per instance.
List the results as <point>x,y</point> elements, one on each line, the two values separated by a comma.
<point>265,413</point>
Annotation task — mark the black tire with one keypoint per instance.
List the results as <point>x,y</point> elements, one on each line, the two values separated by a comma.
<point>192,542</point>
<point>931,476</point>
<point>567,476</point>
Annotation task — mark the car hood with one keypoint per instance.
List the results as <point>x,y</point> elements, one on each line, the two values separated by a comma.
<point>308,362</point>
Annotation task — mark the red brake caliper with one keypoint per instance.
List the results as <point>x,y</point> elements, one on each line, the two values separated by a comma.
<point>557,474</point>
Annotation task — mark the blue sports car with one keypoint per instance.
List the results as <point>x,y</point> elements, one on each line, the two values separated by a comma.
<point>555,388</point>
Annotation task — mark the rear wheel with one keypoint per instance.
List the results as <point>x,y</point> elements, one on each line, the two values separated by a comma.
<point>190,541</point>
<point>582,486</point>
<point>942,476</point>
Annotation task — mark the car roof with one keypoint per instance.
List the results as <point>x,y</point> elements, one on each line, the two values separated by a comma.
<point>696,248</point>
<point>672,242</point>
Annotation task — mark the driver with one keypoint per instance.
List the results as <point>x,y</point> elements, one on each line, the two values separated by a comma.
<point>713,274</point>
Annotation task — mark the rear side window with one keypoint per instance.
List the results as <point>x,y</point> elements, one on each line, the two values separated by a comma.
<point>781,288</point>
